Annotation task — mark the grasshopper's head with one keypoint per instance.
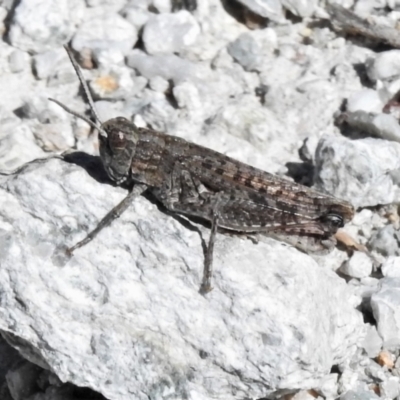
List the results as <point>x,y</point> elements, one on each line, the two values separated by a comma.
<point>118,138</point>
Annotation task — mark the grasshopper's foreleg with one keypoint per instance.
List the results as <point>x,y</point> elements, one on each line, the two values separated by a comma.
<point>137,190</point>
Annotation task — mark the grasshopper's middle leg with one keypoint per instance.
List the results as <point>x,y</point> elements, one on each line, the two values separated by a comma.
<point>183,193</point>
<point>207,274</point>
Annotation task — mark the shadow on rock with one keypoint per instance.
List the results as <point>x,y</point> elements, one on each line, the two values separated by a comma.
<point>91,164</point>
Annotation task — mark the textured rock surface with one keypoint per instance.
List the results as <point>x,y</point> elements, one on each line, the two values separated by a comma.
<point>363,171</point>
<point>127,307</point>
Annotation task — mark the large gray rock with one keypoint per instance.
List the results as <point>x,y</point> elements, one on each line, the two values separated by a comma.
<point>124,314</point>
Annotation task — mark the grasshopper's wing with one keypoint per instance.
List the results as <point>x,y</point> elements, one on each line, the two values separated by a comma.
<point>259,200</point>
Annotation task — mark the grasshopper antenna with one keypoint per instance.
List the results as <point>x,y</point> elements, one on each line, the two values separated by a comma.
<point>78,71</point>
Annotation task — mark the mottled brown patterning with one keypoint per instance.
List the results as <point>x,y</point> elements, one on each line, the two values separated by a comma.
<point>196,181</point>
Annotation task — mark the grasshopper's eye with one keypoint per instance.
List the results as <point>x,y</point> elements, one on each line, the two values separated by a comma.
<point>333,219</point>
<point>117,140</point>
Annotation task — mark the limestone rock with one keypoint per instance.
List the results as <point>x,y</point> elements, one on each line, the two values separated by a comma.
<point>124,315</point>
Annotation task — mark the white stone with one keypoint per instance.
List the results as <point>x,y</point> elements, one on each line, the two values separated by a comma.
<point>187,96</point>
<point>159,84</point>
<point>359,171</point>
<point>19,60</point>
<point>390,388</point>
<point>246,118</point>
<point>170,33</point>
<point>387,126</point>
<point>328,386</point>
<point>105,32</point>
<point>168,66</point>
<point>137,16</point>
<point>375,371</point>
<point>372,342</point>
<point>386,65</point>
<point>386,241</point>
<point>117,82</point>
<point>386,309</point>
<point>367,100</point>
<point>54,137</point>
<point>124,315</point>
<point>360,394</point>
<point>347,381</point>
<point>18,145</point>
<point>106,57</point>
<point>271,9</point>
<point>162,6</point>
<point>159,112</point>
<point>359,265</point>
<point>391,267</point>
<point>107,110</point>
<point>364,8</point>
<point>50,63</point>
<point>302,8</point>
<point>41,25</point>
<point>251,49</point>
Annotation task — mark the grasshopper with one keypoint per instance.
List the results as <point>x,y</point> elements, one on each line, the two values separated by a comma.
<point>198,182</point>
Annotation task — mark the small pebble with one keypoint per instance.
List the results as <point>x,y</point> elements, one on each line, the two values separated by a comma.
<point>159,84</point>
<point>271,9</point>
<point>18,60</point>
<point>109,31</point>
<point>137,16</point>
<point>359,265</point>
<point>170,33</point>
<point>47,63</point>
<point>366,100</point>
<point>385,359</point>
<point>385,304</point>
<point>372,342</point>
<point>390,388</point>
<point>106,57</point>
<point>391,267</point>
<point>386,65</point>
